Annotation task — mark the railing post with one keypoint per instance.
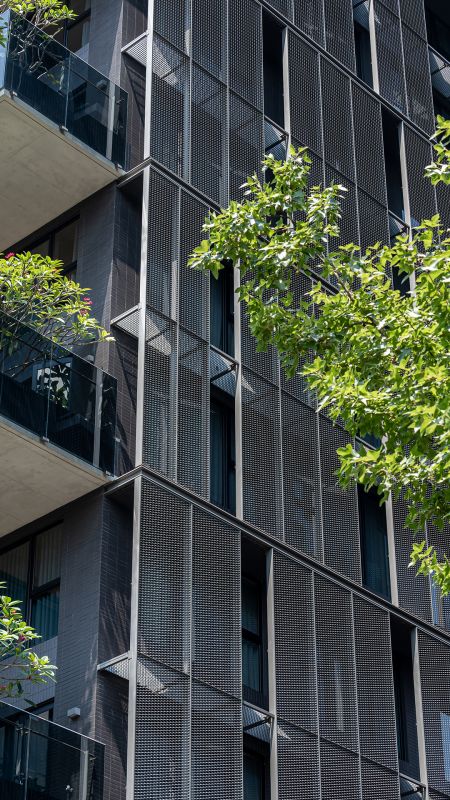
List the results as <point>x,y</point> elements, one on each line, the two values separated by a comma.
<point>111,116</point>
<point>84,769</point>
<point>98,416</point>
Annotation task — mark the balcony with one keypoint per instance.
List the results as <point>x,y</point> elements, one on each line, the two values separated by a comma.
<point>62,129</point>
<point>39,759</point>
<point>57,425</point>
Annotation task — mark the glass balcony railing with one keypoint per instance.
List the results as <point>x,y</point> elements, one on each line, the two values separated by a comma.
<point>62,87</point>
<point>56,394</point>
<point>39,759</point>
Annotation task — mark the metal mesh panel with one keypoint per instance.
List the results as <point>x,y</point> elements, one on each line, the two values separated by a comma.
<point>303,94</point>
<point>162,733</point>
<point>209,125</point>
<point>261,453</point>
<point>246,143</point>
<point>300,286</point>
<point>193,310</point>
<point>164,578</point>
<point>339,507</point>
<point>443,201</point>
<point>162,243</point>
<point>373,221</point>
<point>339,773</point>
<point>335,664</point>
<point>339,30</point>
<point>245,49</point>
<point>294,643</point>
<point>301,478</point>
<point>283,6</point>
<point>160,394</point>
<point>298,763</point>
<point>265,364</point>
<point>171,20</point>
<point>441,605</point>
<point>170,107</point>
<point>216,587</point>
<point>209,31</point>
<point>413,591</point>
<point>377,729</point>
<point>422,199</point>
<point>418,81</point>
<point>378,783</point>
<point>348,224</point>
<point>216,735</point>
<point>412,12</point>
<point>337,120</point>
<point>369,155</point>
<point>308,16</point>
<point>193,413</point>
<point>389,56</point>
<point>434,674</point>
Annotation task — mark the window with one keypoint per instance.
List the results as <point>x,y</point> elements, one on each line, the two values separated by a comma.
<point>75,33</point>
<point>374,543</point>
<point>362,41</point>
<point>405,706</point>
<point>254,776</point>
<point>392,163</point>
<point>61,244</point>
<point>273,35</point>
<point>222,452</point>
<point>437,13</point>
<point>445,733</point>
<point>222,310</point>
<point>32,575</point>
<point>254,625</point>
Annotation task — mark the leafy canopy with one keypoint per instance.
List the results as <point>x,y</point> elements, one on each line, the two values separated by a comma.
<point>378,362</point>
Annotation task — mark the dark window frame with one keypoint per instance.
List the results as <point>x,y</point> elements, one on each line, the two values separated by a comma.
<point>67,269</point>
<point>70,25</point>
<point>253,570</point>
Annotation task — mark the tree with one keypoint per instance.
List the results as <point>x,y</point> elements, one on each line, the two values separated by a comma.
<point>377,361</point>
<point>42,13</point>
<point>19,666</point>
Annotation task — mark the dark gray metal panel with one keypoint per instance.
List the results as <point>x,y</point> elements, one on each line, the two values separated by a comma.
<point>369,156</point>
<point>285,7</point>
<point>418,81</point>
<point>335,664</point>
<point>261,453</point>
<point>443,201</point>
<point>294,644</point>
<point>298,763</point>
<point>159,445</point>
<point>193,306</point>
<point>208,133</point>
<point>193,413</point>
<point>373,221</point>
<point>304,97</point>
<point>264,364</point>
<point>339,31</point>
<point>301,477</point>
<point>216,605</point>
<point>377,728</point>
<point>337,120</point>
<point>300,287</point>
<point>339,507</point>
<point>245,50</point>
<point>434,659</point>
<point>348,224</point>
<point>389,56</point>
<point>171,20</point>
<point>339,773</point>
<point>441,605</point>
<point>378,783</point>
<point>422,198</point>
<point>216,745</point>
<point>246,144</point>
<point>170,107</point>
<point>412,13</point>
<point>163,238</point>
<point>164,625</point>
<point>413,591</point>
<point>309,17</point>
<point>209,26</point>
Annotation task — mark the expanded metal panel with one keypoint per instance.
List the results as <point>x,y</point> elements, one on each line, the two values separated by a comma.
<point>294,643</point>
<point>339,773</point>
<point>283,6</point>
<point>161,759</point>
<point>413,591</point>
<point>412,13</point>
<point>245,50</point>
<point>246,144</point>
<point>373,222</point>
<point>418,81</point>
<point>377,728</point>
<point>339,507</point>
<point>303,94</point>
<point>162,257</point>
<point>298,763</point>
<point>164,625</point>
<point>309,17</point>
<point>369,155</point>
<point>440,605</point>
<point>335,664</point>
<point>443,201</point>
<point>193,413</point>
<point>389,56</point>
<point>422,199</point>
<point>301,477</point>
<point>209,35</point>
<point>170,107</point>
<point>171,20</point>
<point>208,135</point>
<point>434,659</point>
<point>193,309</point>
<point>261,453</point>
<point>348,224</point>
<point>337,120</point>
<point>339,30</point>
<point>379,783</point>
<point>300,287</point>
<point>160,394</point>
<point>264,364</point>
<point>216,604</point>
<point>216,736</point>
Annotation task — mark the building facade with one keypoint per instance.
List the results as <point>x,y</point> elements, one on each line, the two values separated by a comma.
<point>226,620</point>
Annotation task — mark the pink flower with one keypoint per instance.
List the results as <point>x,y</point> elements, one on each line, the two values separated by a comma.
<point>83,312</point>
<point>87,300</point>
<point>10,255</point>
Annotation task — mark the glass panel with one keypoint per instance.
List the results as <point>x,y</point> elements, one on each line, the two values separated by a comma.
<point>47,557</point>
<point>78,35</point>
<point>222,311</point>
<point>445,732</point>
<point>44,615</point>
<point>251,609</point>
<point>66,244</point>
<point>251,664</point>
<point>43,248</point>
<point>253,777</point>
<point>410,790</point>
<point>374,545</point>
<point>14,570</point>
